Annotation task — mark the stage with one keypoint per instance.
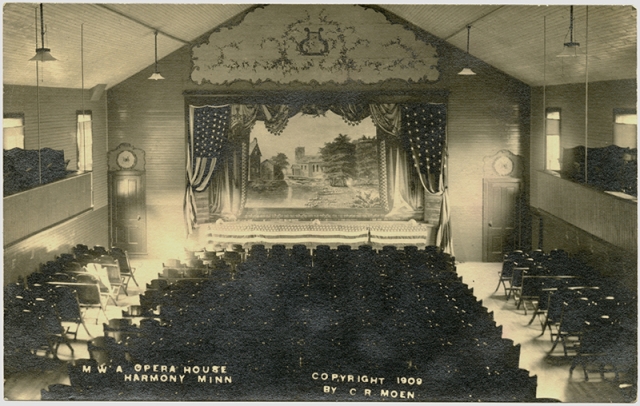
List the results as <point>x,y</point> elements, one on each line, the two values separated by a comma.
<point>216,236</point>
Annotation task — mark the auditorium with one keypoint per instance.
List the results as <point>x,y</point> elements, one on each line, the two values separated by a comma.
<point>320,202</point>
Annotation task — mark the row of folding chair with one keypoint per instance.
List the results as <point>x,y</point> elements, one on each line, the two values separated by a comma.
<point>588,316</point>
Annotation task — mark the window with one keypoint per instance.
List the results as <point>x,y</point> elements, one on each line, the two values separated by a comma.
<point>13,131</point>
<point>84,136</point>
<point>625,128</point>
<point>553,139</point>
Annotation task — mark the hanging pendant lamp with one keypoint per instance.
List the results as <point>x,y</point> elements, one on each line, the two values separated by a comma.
<point>466,71</point>
<point>156,75</point>
<point>570,48</point>
<point>42,54</point>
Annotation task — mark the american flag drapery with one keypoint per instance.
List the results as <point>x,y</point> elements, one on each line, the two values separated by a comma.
<point>208,133</point>
<point>424,132</point>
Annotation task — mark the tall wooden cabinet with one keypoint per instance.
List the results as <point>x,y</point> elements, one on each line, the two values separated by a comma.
<point>502,194</point>
<point>127,199</point>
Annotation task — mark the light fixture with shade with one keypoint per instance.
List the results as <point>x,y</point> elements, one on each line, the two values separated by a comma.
<point>570,48</point>
<point>156,75</point>
<point>466,71</point>
<point>42,54</point>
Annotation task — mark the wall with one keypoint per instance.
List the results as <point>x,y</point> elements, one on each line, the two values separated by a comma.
<point>607,259</point>
<point>58,109</point>
<point>487,113</point>
<point>603,97</point>
<point>611,252</point>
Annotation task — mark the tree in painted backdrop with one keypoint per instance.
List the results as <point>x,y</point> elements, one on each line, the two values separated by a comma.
<point>367,161</point>
<point>339,159</point>
<point>280,165</point>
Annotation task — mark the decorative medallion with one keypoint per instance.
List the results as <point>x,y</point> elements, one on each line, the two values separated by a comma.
<point>314,45</point>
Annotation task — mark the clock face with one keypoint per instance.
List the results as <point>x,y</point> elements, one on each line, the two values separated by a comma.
<point>126,159</point>
<point>503,166</point>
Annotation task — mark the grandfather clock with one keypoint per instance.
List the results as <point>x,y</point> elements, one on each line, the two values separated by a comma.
<point>127,199</point>
<point>501,205</point>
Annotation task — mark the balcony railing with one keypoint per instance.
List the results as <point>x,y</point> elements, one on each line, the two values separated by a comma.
<point>28,212</point>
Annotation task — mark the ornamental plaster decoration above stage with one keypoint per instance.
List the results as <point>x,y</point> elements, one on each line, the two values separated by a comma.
<point>314,43</point>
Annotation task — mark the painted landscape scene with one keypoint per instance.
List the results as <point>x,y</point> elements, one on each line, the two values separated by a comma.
<point>337,169</point>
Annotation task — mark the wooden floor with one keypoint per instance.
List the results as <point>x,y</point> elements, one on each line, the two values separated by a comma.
<point>552,370</point>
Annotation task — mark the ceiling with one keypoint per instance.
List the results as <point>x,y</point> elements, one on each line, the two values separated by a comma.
<point>107,43</point>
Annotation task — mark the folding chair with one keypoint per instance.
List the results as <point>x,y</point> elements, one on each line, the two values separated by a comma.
<point>599,347</point>
<point>172,263</point>
<point>68,309</point>
<point>51,326</point>
<point>572,323</point>
<point>530,291</point>
<point>112,269</point>
<point>99,250</point>
<point>506,273</point>
<point>89,297</point>
<point>126,270</point>
<point>516,282</point>
<point>106,351</point>
<point>120,329</point>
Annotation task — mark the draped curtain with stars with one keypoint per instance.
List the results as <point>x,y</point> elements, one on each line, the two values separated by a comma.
<point>208,132</point>
<point>424,135</point>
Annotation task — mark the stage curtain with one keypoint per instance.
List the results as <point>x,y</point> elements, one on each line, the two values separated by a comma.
<point>275,117</point>
<point>243,118</point>
<point>387,117</point>
<point>351,113</point>
<point>398,186</point>
<point>423,130</point>
<point>208,134</point>
<point>226,190</point>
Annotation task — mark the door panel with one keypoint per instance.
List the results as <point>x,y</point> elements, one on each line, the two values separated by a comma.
<point>128,212</point>
<point>500,202</point>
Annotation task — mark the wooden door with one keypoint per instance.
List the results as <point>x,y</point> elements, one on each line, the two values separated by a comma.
<point>128,211</point>
<point>501,232</point>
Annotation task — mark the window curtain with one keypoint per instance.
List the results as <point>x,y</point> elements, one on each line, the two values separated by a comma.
<point>208,132</point>
<point>423,130</point>
<point>84,136</point>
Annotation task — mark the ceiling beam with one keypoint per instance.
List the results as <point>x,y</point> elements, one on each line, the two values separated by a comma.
<point>143,24</point>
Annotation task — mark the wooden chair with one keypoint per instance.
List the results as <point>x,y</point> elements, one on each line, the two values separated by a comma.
<point>171,273</point>
<point>506,273</point>
<point>112,268</point>
<point>599,347</point>
<point>126,270</point>
<point>89,297</point>
<point>120,329</point>
<point>51,325</point>
<point>172,263</point>
<point>68,309</point>
<point>530,292</point>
